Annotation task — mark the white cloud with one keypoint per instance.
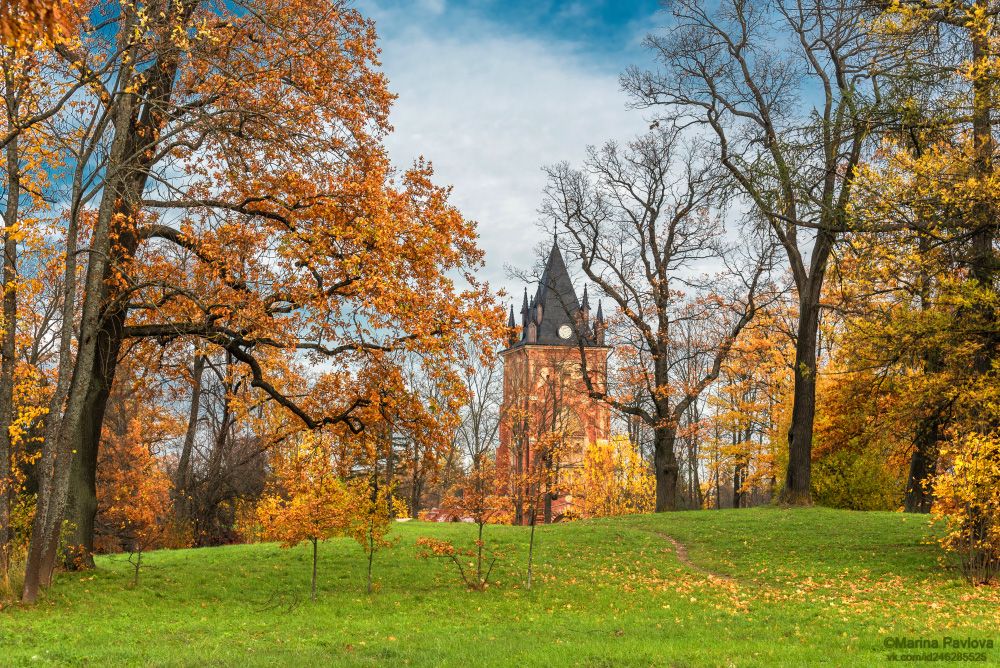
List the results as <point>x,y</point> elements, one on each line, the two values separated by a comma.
<point>490,109</point>
<point>433,6</point>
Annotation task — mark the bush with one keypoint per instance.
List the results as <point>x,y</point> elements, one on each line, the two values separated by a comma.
<point>853,480</point>
<point>967,500</point>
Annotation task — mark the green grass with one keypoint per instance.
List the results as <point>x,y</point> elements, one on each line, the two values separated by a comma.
<point>801,587</point>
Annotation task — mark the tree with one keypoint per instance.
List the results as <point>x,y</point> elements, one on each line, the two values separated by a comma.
<point>309,501</point>
<point>325,258</point>
<point>374,509</point>
<point>134,493</point>
<point>640,221</point>
<point>791,124</point>
<point>967,498</point>
<point>927,203</point>
<point>476,497</point>
<point>27,101</point>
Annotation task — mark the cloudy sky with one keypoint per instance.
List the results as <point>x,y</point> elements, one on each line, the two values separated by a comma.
<point>492,90</point>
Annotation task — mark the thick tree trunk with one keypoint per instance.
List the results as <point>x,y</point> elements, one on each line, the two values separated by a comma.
<point>138,119</point>
<point>797,491</point>
<point>57,456</point>
<point>926,441</point>
<point>81,508</point>
<point>922,466</point>
<point>665,468</point>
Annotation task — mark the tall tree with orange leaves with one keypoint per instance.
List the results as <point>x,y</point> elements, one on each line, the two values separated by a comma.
<point>226,134</point>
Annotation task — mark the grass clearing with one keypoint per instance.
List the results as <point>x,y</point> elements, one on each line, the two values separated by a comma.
<point>764,587</point>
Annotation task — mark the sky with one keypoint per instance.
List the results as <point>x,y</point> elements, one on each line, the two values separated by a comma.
<point>491,91</point>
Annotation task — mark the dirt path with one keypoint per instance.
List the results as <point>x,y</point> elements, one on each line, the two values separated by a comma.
<point>682,556</point>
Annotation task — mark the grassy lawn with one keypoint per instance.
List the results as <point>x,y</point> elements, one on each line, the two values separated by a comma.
<point>759,587</point>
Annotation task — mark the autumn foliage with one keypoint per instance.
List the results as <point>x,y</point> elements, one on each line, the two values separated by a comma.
<point>613,479</point>
<point>967,499</point>
<point>476,499</point>
<point>311,500</point>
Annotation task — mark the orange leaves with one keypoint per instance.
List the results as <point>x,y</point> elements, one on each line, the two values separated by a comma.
<point>312,498</point>
<point>133,492</point>
<point>436,548</point>
<point>308,501</point>
<point>25,23</point>
<point>476,496</point>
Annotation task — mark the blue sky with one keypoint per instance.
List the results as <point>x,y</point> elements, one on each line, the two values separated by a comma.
<point>491,91</point>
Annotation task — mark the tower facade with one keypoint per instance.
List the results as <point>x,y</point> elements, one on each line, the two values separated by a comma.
<point>548,415</point>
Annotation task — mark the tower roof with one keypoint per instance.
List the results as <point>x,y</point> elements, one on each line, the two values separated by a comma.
<point>555,306</point>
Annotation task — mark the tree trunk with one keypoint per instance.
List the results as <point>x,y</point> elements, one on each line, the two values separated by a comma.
<point>737,485</point>
<point>531,553</point>
<point>315,549</point>
<point>183,480</point>
<point>479,558</point>
<point>138,564</point>
<point>136,130</point>
<point>797,491</point>
<point>51,454</point>
<point>81,508</point>
<point>922,465</point>
<point>57,456</point>
<point>390,468</point>
<point>8,347</point>
<point>416,482</point>
<point>983,259</point>
<point>665,468</point>
<point>519,484</point>
<point>371,552</point>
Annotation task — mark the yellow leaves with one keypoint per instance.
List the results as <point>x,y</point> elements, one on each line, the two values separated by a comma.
<point>967,500</point>
<point>614,480</point>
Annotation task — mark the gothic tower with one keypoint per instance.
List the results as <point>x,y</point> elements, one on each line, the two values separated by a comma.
<point>548,416</point>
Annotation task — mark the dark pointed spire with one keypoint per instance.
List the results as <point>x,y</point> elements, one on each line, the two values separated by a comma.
<point>512,334</point>
<point>524,304</point>
<point>599,325</point>
<point>586,299</point>
<point>556,303</point>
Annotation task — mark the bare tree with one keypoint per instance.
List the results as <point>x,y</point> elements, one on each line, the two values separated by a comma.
<point>480,427</point>
<point>640,221</point>
<point>787,90</point>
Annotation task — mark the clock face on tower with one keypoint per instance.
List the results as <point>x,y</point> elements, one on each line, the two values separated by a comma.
<point>565,332</point>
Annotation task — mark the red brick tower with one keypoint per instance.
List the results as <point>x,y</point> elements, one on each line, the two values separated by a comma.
<point>545,396</point>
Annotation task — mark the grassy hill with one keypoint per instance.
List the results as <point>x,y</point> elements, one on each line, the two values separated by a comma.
<point>759,587</point>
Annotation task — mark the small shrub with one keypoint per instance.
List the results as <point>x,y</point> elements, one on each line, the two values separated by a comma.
<point>967,499</point>
<point>474,565</point>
